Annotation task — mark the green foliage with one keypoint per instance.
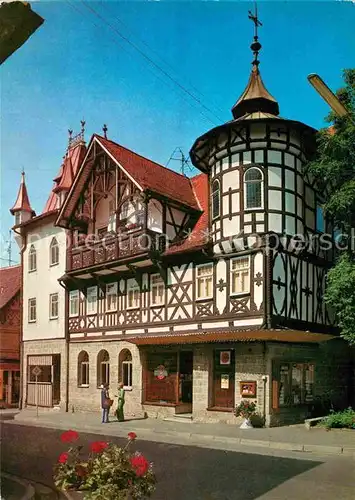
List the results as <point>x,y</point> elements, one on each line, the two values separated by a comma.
<point>341,420</point>
<point>334,169</point>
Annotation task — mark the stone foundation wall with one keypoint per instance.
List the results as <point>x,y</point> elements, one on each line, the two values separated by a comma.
<point>42,347</point>
<point>89,398</point>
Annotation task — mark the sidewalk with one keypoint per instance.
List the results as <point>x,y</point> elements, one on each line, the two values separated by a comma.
<point>220,436</point>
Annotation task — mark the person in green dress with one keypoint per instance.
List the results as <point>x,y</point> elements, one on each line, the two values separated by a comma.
<point>121,401</point>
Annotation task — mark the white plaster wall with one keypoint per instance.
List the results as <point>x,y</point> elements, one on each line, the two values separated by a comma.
<point>41,283</point>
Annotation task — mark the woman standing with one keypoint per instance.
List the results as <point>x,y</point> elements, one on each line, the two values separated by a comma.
<point>105,403</point>
<point>120,404</point>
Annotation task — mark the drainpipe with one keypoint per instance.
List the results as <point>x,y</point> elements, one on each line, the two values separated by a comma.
<point>23,248</point>
<point>66,335</point>
<point>268,289</point>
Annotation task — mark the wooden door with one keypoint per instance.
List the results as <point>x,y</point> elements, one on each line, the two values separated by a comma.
<point>223,388</point>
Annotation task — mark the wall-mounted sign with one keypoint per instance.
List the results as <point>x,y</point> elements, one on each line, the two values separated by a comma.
<point>160,372</point>
<point>248,389</point>
<point>225,358</point>
<point>225,381</point>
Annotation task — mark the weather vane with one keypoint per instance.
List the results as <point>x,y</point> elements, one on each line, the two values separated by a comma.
<point>255,46</point>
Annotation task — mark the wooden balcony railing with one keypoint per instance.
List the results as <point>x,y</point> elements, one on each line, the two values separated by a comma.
<point>113,247</point>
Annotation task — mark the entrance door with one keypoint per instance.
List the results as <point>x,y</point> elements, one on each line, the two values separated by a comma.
<point>185,373</point>
<point>223,379</point>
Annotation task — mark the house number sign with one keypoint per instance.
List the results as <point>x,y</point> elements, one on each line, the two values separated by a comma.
<point>160,372</point>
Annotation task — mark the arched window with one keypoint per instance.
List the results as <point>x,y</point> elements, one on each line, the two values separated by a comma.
<point>216,199</point>
<point>83,369</point>
<point>103,368</point>
<point>125,368</point>
<point>54,252</point>
<point>253,188</point>
<point>32,259</point>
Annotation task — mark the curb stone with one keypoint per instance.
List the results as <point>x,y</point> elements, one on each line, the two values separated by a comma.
<point>30,491</point>
<point>157,435</point>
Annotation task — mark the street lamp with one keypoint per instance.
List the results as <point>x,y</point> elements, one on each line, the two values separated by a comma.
<point>325,92</point>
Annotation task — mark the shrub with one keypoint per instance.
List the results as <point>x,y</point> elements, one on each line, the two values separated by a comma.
<point>340,420</point>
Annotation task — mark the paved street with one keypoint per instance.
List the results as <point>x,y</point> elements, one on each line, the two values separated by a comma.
<point>193,473</point>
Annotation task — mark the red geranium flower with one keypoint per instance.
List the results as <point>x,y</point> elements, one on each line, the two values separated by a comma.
<point>140,464</point>
<point>63,457</point>
<point>69,436</point>
<point>132,436</point>
<point>98,446</point>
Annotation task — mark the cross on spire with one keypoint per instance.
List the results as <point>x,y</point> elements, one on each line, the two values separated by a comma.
<point>104,128</point>
<point>255,46</point>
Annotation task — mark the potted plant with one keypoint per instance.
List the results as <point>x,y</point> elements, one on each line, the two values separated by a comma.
<point>245,409</point>
<point>108,472</point>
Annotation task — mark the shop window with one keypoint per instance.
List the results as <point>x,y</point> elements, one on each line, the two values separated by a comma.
<point>32,259</point>
<point>91,300</point>
<point>157,289</point>
<point>83,369</point>
<point>32,310</point>
<point>294,383</point>
<point>125,368</point>
<point>240,275</point>
<point>74,303</point>
<point>54,252</point>
<point>204,281</point>
<point>111,297</point>
<point>216,199</point>
<point>103,368</point>
<point>253,188</point>
<point>161,384</point>
<point>320,222</point>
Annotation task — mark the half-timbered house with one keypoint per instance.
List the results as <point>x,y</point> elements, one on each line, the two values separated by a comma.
<point>198,292</point>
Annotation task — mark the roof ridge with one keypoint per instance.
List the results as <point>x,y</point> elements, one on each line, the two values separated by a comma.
<point>144,157</point>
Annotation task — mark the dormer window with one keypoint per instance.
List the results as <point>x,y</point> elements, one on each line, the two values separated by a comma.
<point>253,189</point>
<point>216,199</point>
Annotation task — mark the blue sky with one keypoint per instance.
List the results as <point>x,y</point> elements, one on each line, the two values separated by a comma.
<point>77,66</point>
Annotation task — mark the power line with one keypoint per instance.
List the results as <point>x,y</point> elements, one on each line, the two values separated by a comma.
<point>156,53</point>
<point>74,7</point>
<point>162,70</point>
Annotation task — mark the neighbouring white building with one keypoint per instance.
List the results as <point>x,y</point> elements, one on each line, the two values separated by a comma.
<point>43,258</point>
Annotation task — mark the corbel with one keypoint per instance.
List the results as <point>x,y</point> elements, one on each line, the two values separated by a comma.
<point>137,274</point>
<point>99,282</point>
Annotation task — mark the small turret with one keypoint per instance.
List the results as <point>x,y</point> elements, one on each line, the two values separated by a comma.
<point>22,209</point>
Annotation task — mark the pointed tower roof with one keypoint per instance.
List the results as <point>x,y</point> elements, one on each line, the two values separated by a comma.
<point>22,202</point>
<point>255,96</point>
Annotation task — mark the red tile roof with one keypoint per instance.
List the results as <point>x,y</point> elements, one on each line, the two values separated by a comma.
<point>22,202</point>
<point>10,283</point>
<point>152,176</point>
<point>198,237</point>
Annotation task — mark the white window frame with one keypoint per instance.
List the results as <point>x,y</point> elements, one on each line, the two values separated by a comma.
<point>32,307</point>
<point>133,291</point>
<point>32,259</point>
<point>129,373</point>
<point>203,279</point>
<point>157,285</point>
<point>54,248</point>
<point>240,271</point>
<point>261,181</point>
<point>111,290</point>
<point>74,299</point>
<point>91,300</point>
<point>53,296</point>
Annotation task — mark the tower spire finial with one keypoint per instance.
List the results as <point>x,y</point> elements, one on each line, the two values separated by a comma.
<point>256,45</point>
<point>104,128</point>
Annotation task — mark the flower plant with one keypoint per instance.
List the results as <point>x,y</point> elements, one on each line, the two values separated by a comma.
<point>245,409</point>
<point>108,472</point>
